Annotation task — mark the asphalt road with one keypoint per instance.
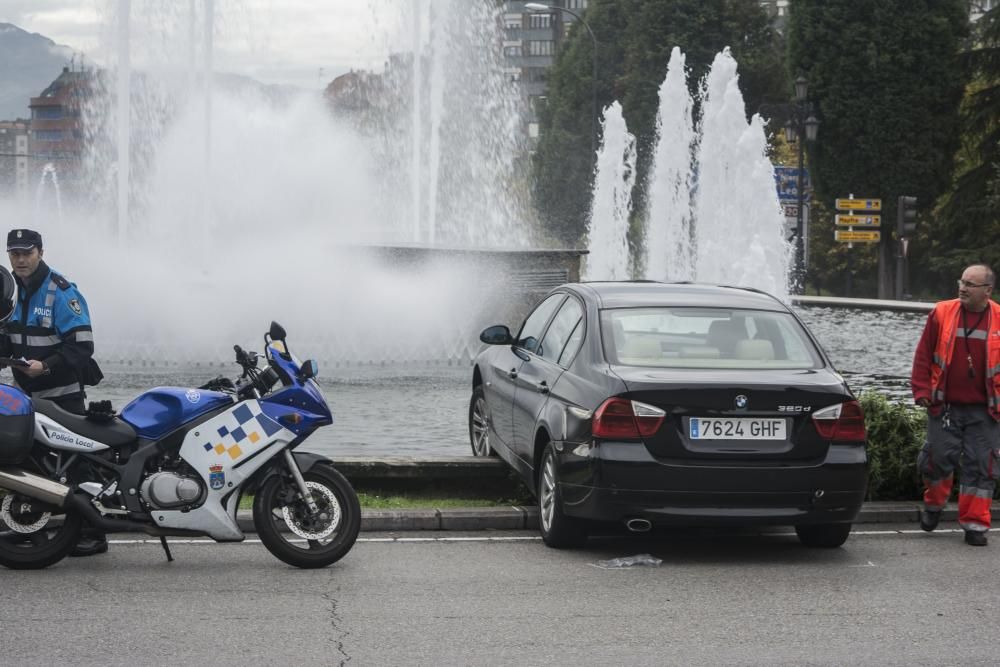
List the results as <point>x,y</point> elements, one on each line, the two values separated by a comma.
<point>891,596</point>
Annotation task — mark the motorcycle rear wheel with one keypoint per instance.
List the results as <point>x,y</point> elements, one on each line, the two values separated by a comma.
<point>288,530</point>
<point>32,534</point>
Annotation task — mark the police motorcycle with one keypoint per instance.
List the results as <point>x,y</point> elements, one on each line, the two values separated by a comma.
<point>176,462</point>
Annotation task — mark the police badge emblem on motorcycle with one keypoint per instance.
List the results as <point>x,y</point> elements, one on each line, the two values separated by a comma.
<point>216,477</point>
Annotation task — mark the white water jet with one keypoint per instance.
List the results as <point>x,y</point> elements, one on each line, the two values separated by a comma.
<point>669,247</point>
<point>48,171</point>
<point>614,178</point>
<point>739,223</point>
<point>419,9</point>
<point>124,119</point>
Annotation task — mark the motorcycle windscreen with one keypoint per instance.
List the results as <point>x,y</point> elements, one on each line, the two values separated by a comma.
<point>164,409</point>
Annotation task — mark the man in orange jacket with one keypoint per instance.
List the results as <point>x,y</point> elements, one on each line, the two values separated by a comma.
<point>956,376</point>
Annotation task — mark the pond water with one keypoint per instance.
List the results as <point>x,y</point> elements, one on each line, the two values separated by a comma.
<point>422,409</point>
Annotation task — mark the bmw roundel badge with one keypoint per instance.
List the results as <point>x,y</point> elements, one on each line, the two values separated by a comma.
<point>741,402</point>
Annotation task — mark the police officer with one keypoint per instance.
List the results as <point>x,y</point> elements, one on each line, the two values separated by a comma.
<point>50,329</point>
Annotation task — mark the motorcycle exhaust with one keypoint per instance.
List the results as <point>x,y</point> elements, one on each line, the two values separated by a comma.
<point>81,504</point>
<point>639,525</point>
<point>34,486</point>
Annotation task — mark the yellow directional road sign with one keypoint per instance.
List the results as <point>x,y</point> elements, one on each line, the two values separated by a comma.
<point>858,220</point>
<point>853,236</point>
<point>859,205</point>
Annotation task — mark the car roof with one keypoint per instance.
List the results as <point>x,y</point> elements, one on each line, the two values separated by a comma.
<point>640,294</point>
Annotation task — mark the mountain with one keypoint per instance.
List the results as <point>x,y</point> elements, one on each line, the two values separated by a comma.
<point>28,63</point>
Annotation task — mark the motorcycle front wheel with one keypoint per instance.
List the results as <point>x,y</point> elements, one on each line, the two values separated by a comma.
<point>34,535</point>
<point>299,537</point>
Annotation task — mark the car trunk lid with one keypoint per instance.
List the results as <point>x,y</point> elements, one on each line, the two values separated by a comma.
<point>751,415</point>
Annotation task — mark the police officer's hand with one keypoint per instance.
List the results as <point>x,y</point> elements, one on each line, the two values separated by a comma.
<point>35,368</point>
<point>924,402</point>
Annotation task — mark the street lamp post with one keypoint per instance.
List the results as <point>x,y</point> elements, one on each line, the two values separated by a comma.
<point>802,126</point>
<point>539,8</point>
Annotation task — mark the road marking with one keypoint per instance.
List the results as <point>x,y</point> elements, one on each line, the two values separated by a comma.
<point>526,538</point>
<point>516,538</point>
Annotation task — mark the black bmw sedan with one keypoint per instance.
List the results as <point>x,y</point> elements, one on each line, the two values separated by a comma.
<point>667,403</point>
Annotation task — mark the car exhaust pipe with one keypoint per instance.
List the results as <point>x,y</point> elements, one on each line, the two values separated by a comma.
<point>34,486</point>
<point>639,525</point>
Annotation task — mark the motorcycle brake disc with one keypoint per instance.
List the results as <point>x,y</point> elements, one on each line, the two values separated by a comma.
<point>15,515</point>
<point>329,507</point>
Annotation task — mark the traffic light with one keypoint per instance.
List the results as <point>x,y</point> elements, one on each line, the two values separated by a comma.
<point>906,216</point>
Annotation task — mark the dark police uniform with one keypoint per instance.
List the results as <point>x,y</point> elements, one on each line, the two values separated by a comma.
<point>50,323</point>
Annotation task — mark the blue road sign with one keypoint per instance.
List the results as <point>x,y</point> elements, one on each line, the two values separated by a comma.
<point>787,181</point>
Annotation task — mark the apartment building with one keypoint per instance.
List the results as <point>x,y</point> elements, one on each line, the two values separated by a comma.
<point>13,158</point>
<point>531,42</point>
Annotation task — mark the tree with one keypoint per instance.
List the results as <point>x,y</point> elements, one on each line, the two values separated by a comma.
<point>886,80</point>
<point>635,38</point>
<point>971,210</point>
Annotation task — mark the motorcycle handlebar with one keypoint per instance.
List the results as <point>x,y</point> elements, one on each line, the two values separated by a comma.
<point>244,358</point>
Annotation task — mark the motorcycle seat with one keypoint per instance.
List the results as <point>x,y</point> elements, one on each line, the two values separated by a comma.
<point>114,433</point>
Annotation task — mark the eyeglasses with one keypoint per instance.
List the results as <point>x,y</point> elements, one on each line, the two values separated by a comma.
<point>966,283</point>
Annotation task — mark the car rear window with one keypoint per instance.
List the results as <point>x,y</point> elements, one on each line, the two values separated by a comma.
<point>706,338</point>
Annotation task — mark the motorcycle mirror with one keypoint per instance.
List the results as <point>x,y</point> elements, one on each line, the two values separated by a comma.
<point>277,332</point>
<point>7,287</point>
<point>310,369</point>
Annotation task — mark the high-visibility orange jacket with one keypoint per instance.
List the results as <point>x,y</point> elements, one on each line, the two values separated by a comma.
<point>934,354</point>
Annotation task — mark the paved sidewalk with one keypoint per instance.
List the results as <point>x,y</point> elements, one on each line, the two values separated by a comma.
<point>519,517</point>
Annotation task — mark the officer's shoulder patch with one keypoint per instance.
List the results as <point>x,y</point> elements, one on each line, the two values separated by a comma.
<point>75,306</point>
<point>60,281</point>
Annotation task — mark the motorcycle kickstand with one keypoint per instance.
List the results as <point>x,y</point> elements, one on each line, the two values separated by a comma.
<point>300,482</point>
<point>163,543</point>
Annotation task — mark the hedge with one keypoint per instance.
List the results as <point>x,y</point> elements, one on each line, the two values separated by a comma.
<point>896,432</point>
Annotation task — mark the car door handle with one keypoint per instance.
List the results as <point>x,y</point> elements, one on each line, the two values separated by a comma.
<point>543,387</point>
<point>512,374</point>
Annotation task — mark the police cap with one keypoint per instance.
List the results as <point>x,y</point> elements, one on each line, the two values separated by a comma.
<point>23,239</point>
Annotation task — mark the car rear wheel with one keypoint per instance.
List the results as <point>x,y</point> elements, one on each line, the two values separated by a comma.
<point>558,530</point>
<point>823,535</point>
<point>479,424</point>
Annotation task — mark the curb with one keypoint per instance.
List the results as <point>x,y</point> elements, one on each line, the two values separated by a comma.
<point>472,518</point>
<point>526,518</point>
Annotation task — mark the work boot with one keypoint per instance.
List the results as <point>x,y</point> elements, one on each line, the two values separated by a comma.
<point>975,538</point>
<point>929,519</point>
<point>90,544</point>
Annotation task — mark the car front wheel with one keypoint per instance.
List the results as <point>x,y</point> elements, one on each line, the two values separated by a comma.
<point>479,424</point>
<point>558,530</point>
<point>823,535</point>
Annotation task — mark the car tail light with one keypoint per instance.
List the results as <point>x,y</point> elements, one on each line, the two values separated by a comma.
<point>622,419</point>
<point>844,421</point>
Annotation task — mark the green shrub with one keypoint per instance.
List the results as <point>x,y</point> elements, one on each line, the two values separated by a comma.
<point>896,432</point>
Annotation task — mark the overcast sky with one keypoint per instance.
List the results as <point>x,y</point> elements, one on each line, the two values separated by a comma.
<point>275,41</point>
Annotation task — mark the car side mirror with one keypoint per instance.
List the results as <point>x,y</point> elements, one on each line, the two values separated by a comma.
<point>496,335</point>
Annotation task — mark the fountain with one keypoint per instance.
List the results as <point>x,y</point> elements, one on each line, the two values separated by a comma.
<point>738,221</point>
<point>669,246</point>
<point>612,200</point>
<point>713,213</point>
<point>234,205</point>
<point>225,204</point>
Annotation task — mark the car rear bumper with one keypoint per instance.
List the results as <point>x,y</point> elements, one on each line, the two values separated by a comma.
<point>621,481</point>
